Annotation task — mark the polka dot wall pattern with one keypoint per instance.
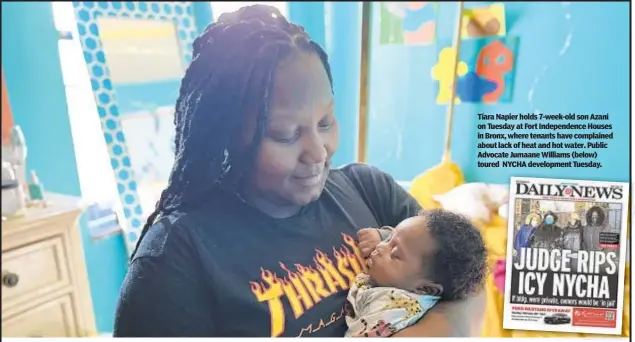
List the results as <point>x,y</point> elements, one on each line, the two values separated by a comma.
<point>87,13</point>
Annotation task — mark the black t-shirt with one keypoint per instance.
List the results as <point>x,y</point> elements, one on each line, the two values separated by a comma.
<point>226,269</point>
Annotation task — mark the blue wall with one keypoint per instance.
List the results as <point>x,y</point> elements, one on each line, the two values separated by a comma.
<point>343,26</point>
<point>30,58</point>
<point>309,15</point>
<point>334,26</point>
<point>407,127</point>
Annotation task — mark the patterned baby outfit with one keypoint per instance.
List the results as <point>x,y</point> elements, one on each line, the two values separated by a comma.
<point>382,311</point>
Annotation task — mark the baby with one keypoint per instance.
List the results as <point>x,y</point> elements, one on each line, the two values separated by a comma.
<point>432,257</point>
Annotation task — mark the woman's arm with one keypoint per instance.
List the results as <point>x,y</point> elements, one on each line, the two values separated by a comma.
<point>389,202</point>
<point>158,302</point>
<point>451,319</point>
<point>162,294</point>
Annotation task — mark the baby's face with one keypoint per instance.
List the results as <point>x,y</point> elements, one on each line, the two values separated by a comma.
<point>400,261</point>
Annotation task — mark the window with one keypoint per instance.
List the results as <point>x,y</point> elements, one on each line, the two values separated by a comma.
<point>97,181</point>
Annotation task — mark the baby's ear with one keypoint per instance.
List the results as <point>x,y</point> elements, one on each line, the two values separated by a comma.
<point>385,232</point>
<point>427,287</point>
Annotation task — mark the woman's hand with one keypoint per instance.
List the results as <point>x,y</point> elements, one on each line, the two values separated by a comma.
<point>451,319</point>
<point>368,238</point>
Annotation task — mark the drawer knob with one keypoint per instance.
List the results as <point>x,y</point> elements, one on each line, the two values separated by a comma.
<point>10,279</point>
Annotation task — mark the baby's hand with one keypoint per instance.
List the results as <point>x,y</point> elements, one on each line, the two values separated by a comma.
<point>369,238</point>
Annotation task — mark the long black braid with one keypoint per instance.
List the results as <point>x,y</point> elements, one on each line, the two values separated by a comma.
<point>233,66</point>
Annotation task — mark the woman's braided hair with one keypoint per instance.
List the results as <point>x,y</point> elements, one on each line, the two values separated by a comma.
<point>233,66</point>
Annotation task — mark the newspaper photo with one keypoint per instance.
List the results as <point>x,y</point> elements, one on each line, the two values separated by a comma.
<point>566,251</point>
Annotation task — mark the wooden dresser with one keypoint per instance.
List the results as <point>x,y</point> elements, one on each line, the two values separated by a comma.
<point>45,291</point>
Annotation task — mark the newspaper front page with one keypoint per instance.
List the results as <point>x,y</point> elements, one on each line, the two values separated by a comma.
<point>566,253</point>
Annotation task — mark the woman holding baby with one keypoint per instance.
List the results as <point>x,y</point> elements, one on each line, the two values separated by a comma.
<point>255,235</point>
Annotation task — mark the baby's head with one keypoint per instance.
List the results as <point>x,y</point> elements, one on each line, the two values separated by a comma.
<point>435,252</point>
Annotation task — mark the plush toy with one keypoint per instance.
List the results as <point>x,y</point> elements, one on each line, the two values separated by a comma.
<point>503,211</point>
<point>477,201</point>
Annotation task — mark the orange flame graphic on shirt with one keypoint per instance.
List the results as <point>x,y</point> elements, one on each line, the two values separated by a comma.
<point>307,285</point>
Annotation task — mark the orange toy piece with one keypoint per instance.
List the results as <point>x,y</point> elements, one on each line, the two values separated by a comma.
<point>494,61</point>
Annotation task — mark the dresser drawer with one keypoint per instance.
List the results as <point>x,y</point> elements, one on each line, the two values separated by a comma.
<point>33,270</point>
<point>51,319</point>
